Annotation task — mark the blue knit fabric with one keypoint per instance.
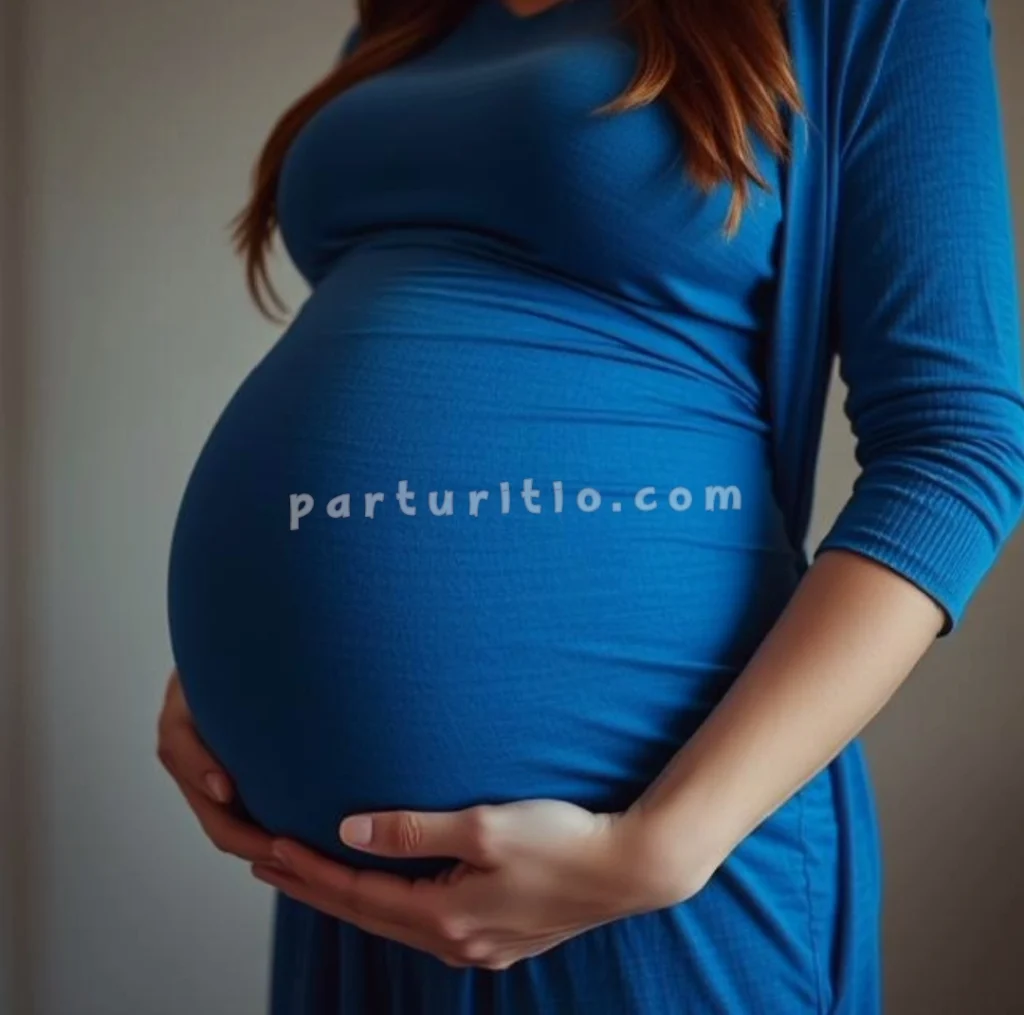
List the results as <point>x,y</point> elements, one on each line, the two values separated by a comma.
<point>925,298</point>
<point>503,286</point>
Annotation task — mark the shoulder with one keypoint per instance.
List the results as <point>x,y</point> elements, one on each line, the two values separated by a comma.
<point>856,31</point>
<point>841,47</point>
<point>843,16</point>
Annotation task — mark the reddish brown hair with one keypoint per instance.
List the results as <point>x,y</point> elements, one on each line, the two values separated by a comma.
<point>722,67</point>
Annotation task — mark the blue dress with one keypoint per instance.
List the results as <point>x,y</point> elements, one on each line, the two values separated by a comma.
<point>498,517</point>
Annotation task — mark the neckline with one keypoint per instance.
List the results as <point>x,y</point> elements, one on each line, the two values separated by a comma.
<point>531,15</point>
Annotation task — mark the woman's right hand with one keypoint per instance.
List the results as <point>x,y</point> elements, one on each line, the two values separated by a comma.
<point>204,784</point>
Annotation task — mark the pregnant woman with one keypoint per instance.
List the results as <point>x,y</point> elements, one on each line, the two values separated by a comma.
<point>497,650</point>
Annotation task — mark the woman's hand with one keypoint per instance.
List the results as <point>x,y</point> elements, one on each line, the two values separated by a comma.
<point>204,784</point>
<point>530,876</point>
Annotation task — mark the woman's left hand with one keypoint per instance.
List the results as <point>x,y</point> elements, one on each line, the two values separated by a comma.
<point>530,876</point>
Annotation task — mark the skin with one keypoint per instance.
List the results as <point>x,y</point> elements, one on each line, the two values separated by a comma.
<point>535,873</point>
<point>525,8</point>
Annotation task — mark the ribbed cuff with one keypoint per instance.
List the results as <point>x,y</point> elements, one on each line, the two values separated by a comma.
<point>928,535</point>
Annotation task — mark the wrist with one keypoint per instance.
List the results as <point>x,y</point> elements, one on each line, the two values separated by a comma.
<point>666,865</point>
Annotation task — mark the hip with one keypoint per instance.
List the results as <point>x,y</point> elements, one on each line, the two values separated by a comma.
<point>765,935</point>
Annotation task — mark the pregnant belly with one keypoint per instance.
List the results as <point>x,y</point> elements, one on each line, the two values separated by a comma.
<point>354,634</point>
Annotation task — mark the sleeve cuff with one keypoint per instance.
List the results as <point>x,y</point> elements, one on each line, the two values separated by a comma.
<point>927,535</point>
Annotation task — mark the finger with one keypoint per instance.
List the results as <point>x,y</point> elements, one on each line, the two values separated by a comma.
<point>471,835</point>
<point>325,902</point>
<point>185,756</point>
<point>423,903</point>
<point>227,832</point>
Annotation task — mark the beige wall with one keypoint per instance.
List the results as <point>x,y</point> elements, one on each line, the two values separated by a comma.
<point>141,120</point>
<point>11,607</point>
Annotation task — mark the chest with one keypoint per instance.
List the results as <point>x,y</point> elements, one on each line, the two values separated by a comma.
<point>497,132</point>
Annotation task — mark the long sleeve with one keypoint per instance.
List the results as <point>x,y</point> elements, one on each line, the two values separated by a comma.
<point>926,308</point>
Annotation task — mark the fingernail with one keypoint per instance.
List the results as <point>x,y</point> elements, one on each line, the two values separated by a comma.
<point>218,788</point>
<point>357,831</point>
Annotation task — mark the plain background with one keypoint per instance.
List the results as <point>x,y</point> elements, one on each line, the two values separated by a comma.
<point>126,132</point>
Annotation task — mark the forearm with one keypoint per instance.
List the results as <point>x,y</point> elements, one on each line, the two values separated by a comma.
<point>849,637</point>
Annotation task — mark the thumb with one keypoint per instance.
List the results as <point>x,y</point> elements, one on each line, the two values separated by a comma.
<point>468,835</point>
